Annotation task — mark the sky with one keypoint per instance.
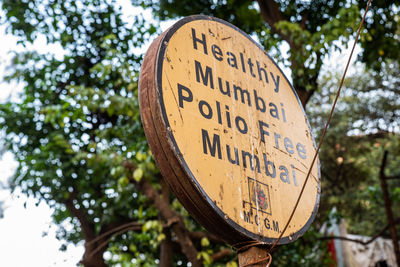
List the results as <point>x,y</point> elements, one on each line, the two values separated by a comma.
<point>30,229</point>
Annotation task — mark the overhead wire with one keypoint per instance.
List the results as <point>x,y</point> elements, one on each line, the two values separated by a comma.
<point>324,130</point>
<point>268,258</point>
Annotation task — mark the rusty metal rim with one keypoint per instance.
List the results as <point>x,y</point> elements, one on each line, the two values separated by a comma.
<point>165,159</point>
<point>170,160</point>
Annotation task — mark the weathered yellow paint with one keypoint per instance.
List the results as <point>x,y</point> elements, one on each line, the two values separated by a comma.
<point>249,197</point>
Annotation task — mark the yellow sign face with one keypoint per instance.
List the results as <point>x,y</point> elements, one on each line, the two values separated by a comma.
<point>236,128</point>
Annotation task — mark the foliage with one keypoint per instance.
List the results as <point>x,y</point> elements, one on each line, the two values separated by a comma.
<point>310,29</point>
<point>310,250</point>
<point>365,124</point>
<point>77,119</point>
<point>77,136</point>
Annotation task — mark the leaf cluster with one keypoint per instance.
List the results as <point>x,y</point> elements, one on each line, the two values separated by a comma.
<point>365,124</point>
<point>77,120</point>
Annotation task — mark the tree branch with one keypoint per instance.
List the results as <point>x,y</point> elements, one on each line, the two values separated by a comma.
<point>334,182</point>
<point>388,208</point>
<point>93,255</point>
<point>87,227</point>
<point>166,250</point>
<point>304,19</point>
<point>112,230</point>
<point>272,14</point>
<point>103,241</point>
<point>392,177</point>
<point>345,239</point>
<point>221,254</point>
<point>166,247</point>
<point>365,243</point>
<point>167,214</point>
<point>373,136</point>
<point>199,235</point>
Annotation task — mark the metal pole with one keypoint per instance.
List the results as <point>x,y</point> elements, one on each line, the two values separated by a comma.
<point>253,255</point>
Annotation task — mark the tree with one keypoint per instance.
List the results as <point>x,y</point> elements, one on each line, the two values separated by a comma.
<point>77,137</point>
<point>76,130</point>
<point>368,117</point>
<point>69,132</point>
<point>364,128</point>
<point>311,30</point>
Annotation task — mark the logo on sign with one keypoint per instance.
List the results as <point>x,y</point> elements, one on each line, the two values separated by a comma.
<point>259,196</point>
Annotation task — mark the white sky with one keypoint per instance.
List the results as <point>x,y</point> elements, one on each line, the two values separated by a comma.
<point>21,229</point>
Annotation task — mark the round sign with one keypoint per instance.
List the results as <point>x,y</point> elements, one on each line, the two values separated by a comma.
<point>228,132</point>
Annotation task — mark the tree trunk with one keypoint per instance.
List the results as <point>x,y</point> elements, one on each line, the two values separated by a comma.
<point>166,251</point>
<point>304,96</point>
<point>93,257</point>
<point>388,208</point>
<point>178,227</point>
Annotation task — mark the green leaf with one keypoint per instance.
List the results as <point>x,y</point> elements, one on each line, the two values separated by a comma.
<point>231,264</point>
<point>138,174</point>
<point>161,237</point>
<point>205,242</point>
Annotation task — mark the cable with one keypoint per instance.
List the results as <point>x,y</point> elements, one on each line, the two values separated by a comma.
<point>324,131</point>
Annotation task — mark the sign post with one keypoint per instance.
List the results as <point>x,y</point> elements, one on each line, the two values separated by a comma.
<point>252,255</point>
<point>228,132</point>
